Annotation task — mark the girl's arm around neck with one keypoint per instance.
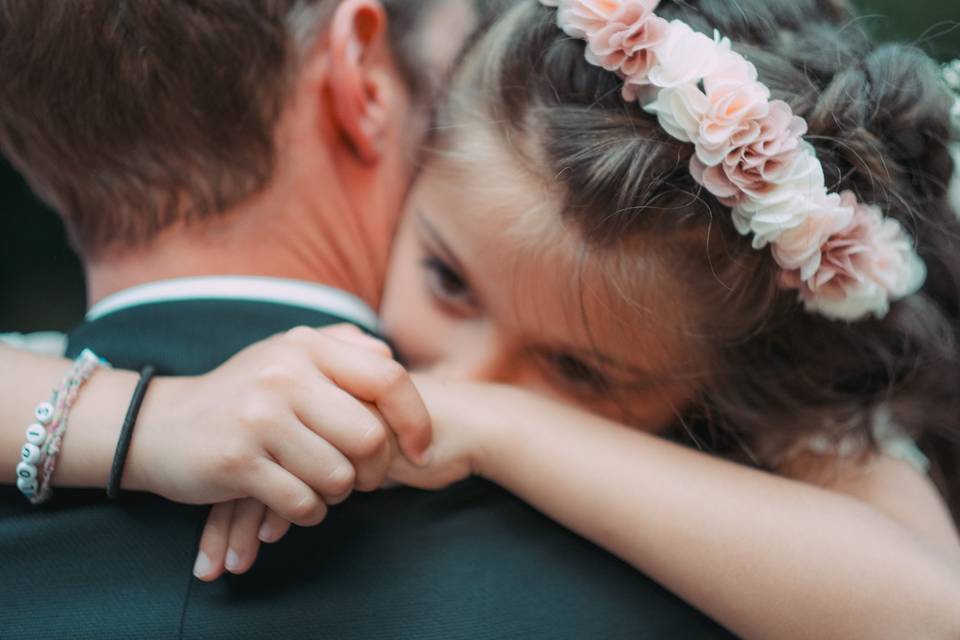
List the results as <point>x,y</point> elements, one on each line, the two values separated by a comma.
<point>766,556</point>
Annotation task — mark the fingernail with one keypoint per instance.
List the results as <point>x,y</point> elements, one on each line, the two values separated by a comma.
<point>202,567</point>
<point>233,561</point>
<point>266,533</point>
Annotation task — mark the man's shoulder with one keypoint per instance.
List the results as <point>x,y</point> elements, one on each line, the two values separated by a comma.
<point>84,567</point>
<point>470,562</point>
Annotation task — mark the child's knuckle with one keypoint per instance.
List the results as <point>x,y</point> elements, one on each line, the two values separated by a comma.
<point>300,335</point>
<point>371,441</point>
<point>235,459</point>
<point>340,479</point>
<point>277,376</point>
<point>307,510</point>
<point>254,411</point>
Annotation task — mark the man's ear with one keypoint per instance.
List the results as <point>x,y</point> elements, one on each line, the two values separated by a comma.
<point>358,35</point>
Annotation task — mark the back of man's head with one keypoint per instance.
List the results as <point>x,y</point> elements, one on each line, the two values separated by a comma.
<point>130,117</point>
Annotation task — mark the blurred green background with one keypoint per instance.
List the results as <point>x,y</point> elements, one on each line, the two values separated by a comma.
<point>41,284</point>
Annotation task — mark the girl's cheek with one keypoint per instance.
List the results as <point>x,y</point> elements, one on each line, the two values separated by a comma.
<point>411,321</point>
<point>420,339</point>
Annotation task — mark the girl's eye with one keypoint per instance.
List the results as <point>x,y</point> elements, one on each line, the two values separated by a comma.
<point>575,373</point>
<point>447,285</point>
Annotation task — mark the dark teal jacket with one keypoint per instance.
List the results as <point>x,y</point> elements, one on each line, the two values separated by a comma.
<point>471,562</point>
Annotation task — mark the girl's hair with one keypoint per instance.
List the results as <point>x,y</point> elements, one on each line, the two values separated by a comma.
<point>770,373</point>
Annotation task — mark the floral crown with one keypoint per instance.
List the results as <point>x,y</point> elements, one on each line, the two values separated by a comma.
<point>844,257</point>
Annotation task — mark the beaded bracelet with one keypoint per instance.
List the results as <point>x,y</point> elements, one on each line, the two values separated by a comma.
<point>38,457</point>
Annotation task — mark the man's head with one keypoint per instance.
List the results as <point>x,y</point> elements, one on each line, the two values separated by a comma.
<point>135,118</point>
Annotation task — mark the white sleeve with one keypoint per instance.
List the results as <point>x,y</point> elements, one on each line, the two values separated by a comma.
<point>891,440</point>
<point>48,343</point>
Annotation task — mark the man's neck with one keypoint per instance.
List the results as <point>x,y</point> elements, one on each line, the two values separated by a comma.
<point>325,249</point>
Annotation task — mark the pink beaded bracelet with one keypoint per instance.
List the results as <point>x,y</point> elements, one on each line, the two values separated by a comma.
<point>38,457</point>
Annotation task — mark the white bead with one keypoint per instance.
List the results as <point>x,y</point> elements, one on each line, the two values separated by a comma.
<point>30,453</point>
<point>27,471</point>
<point>27,487</point>
<point>44,413</point>
<point>36,434</point>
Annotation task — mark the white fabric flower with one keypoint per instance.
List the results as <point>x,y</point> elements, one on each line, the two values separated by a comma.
<point>684,57</point>
<point>680,110</point>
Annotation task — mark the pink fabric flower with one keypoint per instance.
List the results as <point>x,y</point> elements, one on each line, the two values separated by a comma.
<point>629,49</point>
<point>785,203</point>
<point>621,36</point>
<point>734,109</point>
<point>845,259</point>
<point>800,248</point>
<point>761,151</point>
<point>582,18</point>
<point>863,267</point>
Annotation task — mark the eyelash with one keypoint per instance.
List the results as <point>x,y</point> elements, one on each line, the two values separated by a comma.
<point>574,372</point>
<point>441,278</point>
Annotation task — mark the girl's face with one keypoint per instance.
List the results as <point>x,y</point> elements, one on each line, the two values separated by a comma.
<point>486,284</point>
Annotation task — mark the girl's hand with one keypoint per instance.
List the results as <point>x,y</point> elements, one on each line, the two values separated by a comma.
<point>235,530</point>
<point>297,422</point>
<point>463,428</point>
<point>232,536</point>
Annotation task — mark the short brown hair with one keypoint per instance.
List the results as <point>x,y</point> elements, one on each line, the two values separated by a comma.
<point>129,117</point>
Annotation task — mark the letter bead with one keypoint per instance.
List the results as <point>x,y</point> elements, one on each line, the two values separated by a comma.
<point>27,487</point>
<point>36,434</point>
<point>30,453</point>
<point>26,471</point>
<point>44,413</point>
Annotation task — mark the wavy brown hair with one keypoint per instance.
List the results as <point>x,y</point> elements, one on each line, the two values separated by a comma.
<point>770,373</point>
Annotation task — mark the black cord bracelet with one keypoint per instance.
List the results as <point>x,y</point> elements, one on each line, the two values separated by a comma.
<point>126,433</point>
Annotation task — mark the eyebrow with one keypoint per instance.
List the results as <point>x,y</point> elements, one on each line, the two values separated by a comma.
<point>441,244</point>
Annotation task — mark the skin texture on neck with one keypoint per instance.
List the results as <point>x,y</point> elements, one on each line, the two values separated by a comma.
<point>276,235</point>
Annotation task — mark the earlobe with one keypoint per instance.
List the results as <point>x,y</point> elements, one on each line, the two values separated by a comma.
<point>358,35</point>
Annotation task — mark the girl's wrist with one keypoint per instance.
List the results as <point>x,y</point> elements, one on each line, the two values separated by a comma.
<point>151,438</point>
<point>90,442</point>
<point>501,430</point>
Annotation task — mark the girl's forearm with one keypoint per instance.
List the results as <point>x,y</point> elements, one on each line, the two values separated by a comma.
<point>27,379</point>
<point>765,556</point>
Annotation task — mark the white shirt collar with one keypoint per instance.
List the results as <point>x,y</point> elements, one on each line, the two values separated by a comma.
<point>294,293</point>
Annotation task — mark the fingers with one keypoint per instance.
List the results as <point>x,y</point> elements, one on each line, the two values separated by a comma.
<point>354,335</point>
<point>382,381</point>
<point>355,430</point>
<point>314,460</point>
<point>232,536</point>
<point>273,528</point>
<point>213,543</point>
<point>291,498</point>
<point>243,543</point>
